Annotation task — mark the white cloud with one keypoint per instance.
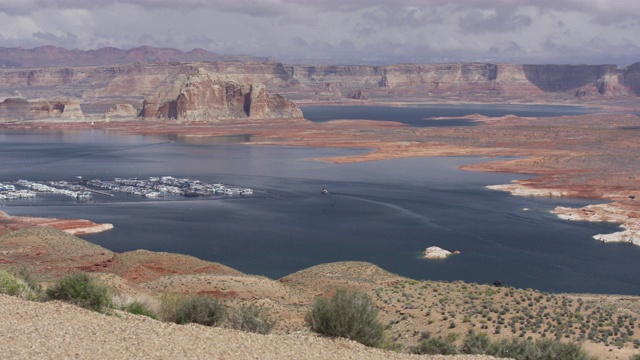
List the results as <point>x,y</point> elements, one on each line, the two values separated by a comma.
<point>344,31</point>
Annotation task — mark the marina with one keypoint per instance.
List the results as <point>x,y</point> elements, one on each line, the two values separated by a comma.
<point>153,187</point>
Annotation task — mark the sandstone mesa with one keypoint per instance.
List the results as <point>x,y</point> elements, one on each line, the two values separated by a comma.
<point>206,96</point>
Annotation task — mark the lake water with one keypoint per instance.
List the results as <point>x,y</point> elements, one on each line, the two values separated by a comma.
<point>384,212</point>
<point>422,115</point>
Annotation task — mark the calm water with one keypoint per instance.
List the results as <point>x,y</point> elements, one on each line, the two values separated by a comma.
<point>421,115</point>
<point>383,212</point>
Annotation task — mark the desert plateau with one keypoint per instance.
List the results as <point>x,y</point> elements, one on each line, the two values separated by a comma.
<point>199,95</point>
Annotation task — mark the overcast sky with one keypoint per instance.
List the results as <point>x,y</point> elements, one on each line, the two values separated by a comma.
<point>340,31</point>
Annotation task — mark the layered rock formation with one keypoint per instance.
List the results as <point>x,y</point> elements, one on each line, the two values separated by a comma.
<point>21,109</point>
<point>121,111</point>
<point>205,96</point>
<point>473,80</point>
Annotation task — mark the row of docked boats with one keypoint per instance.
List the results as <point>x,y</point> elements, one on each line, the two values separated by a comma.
<point>152,187</point>
<point>166,185</point>
<point>31,188</point>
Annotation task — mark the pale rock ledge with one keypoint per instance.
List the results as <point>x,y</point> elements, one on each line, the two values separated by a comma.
<point>434,252</point>
<point>613,213</point>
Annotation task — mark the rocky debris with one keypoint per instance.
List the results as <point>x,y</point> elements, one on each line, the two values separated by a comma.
<point>358,95</point>
<point>327,89</point>
<point>21,109</point>
<point>202,95</point>
<point>121,111</point>
<point>434,252</point>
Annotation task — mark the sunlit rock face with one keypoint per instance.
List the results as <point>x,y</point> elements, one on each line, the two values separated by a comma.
<point>202,95</point>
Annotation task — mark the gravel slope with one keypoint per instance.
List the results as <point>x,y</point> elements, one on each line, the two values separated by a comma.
<point>32,330</point>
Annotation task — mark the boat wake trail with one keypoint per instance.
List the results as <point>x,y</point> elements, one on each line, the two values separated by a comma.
<point>404,212</point>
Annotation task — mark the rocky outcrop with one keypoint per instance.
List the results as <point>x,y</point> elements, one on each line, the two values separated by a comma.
<point>627,216</point>
<point>327,89</point>
<point>505,80</point>
<point>434,252</point>
<point>121,111</point>
<point>21,109</point>
<point>358,95</point>
<point>202,95</point>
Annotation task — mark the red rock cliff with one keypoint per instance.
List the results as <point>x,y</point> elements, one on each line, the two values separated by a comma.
<point>202,95</point>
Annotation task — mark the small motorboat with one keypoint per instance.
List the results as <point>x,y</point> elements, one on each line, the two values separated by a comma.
<point>324,191</point>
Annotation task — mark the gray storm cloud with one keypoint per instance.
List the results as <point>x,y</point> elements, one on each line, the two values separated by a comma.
<point>575,31</point>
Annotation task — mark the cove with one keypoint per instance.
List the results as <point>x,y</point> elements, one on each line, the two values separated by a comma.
<point>383,212</point>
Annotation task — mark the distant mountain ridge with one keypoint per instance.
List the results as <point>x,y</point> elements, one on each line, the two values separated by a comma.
<point>47,56</point>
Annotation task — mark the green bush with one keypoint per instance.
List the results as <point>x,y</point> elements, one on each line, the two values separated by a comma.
<point>203,310</point>
<point>521,349</point>
<point>139,308</point>
<point>14,285</point>
<point>82,290</point>
<point>349,314</point>
<point>476,343</point>
<point>169,303</point>
<point>544,349</point>
<point>252,318</point>
<point>434,346</point>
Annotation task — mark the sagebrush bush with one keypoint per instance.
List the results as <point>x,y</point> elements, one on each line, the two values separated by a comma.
<point>82,290</point>
<point>349,314</point>
<point>252,318</point>
<point>203,310</point>
<point>476,343</point>
<point>520,349</point>
<point>139,308</point>
<point>14,285</point>
<point>544,349</point>
<point>434,346</point>
<point>169,303</point>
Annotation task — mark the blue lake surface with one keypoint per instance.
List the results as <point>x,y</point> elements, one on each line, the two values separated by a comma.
<point>384,212</point>
<point>422,115</point>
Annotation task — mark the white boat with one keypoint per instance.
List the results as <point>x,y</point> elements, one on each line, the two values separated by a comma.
<point>83,194</point>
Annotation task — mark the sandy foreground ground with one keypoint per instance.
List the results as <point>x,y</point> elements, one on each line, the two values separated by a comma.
<point>31,330</point>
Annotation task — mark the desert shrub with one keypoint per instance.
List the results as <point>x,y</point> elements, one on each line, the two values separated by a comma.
<point>169,303</point>
<point>544,349</point>
<point>14,285</point>
<point>203,310</point>
<point>434,346</point>
<point>252,318</point>
<point>349,314</point>
<point>476,343</point>
<point>82,290</point>
<point>139,308</point>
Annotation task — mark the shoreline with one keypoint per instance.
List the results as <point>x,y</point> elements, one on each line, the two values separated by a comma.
<point>557,152</point>
<point>70,226</point>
